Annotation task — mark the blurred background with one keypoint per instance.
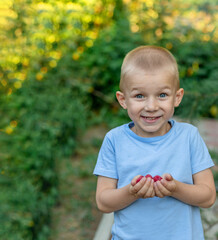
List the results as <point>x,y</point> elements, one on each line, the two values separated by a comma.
<point>59,71</point>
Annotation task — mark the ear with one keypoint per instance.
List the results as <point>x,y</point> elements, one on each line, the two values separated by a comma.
<point>179,96</point>
<point>121,99</point>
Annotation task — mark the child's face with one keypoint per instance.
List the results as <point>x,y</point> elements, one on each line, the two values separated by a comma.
<point>150,99</point>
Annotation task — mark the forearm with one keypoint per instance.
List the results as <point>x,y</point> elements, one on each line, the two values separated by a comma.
<point>199,195</point>
<point>111,200</point>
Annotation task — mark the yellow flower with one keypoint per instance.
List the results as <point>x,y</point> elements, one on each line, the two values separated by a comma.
<point>195,66</point>
<point>21,76</point>
<point>214,110</point>
<point>3,82</point>
<point>39,76</point>
<point>17,84</point>
<point>159,32</point>
<point>13,123</point>
<point>52,63</point>
<point>25,62</point>
<point>151,13</point>
<point>9,92</point>
<point>44,70</point>
<point>51,39</point>
<point>149,3</point>
<point>134,28</point>
<point>89,43</point>
<point>190,71</point>
<point>80,49</point>
<point>206,38</point>
<point>75,56</point>
<point>169,45</point>
<point>9,130</point>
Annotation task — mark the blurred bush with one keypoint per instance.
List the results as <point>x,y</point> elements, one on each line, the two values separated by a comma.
<point>59,70</point>
<point>44,106</point>
<point>44,130</point>
<point>198,74</point>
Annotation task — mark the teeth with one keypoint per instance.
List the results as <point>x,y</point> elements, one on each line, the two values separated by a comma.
<point>151,118</point>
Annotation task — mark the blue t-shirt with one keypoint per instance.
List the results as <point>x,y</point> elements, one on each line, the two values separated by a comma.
<point>180,152</point>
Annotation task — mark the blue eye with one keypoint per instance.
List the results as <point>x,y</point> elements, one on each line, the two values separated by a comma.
<point>139,96</point>
<point>162,95</point>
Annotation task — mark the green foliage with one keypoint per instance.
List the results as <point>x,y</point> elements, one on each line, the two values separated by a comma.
<point>198,74</point>
<point>43,105</point>
<point>48,122</point>
<point>101,64</point>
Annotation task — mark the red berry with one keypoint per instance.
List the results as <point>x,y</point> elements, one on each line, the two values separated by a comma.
<point>157,178</point>
<point>148,176</point>
<point>138,180</point>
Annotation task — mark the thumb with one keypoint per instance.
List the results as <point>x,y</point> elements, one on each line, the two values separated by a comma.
<point>168,177</point>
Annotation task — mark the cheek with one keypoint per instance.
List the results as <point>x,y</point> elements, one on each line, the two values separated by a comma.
<point>169,107</point>
<point>135,106</point>
<point>133,109</point>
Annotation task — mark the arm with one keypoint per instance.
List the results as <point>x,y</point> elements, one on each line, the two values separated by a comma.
<point>202,193</point>
<point>109,198</point>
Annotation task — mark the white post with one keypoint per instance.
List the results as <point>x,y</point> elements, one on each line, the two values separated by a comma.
<point>104,228</point>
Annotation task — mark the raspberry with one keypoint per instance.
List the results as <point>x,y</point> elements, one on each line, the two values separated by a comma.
<point>138,180</point>
<point>157,178</point>
<point>148,176</point>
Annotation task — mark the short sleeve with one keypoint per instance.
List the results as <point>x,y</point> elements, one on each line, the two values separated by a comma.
<point>200,157</point>
<point>106,162</point>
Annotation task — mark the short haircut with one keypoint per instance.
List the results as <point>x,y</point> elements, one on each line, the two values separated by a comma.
<point>149,59</point>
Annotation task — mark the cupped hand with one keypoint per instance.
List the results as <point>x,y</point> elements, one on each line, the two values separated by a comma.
<point>165,187</point>
<point>142,189</point>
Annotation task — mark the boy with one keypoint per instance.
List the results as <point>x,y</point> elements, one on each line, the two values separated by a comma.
<point>167,209</point>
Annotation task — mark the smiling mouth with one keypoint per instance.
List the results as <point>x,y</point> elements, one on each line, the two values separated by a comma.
<point>151,119</point>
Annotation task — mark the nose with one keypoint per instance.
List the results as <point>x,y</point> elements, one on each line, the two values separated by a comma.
<point>151,104</point>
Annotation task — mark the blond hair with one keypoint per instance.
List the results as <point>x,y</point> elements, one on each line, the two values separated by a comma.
<point>151,59</point>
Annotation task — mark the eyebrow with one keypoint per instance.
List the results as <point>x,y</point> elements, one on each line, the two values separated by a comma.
<point>165,87</point>
<point>135,89</point>
<point>161,88</point>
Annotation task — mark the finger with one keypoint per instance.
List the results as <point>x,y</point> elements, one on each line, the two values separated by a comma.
<point>165,183</point>
<point>137,187</point>
<point>164,191</point>
<point>148,189</point>
<point>150,192</point>
<point>134,180</point>
<point>158,193</point>
<point>169,185</point>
